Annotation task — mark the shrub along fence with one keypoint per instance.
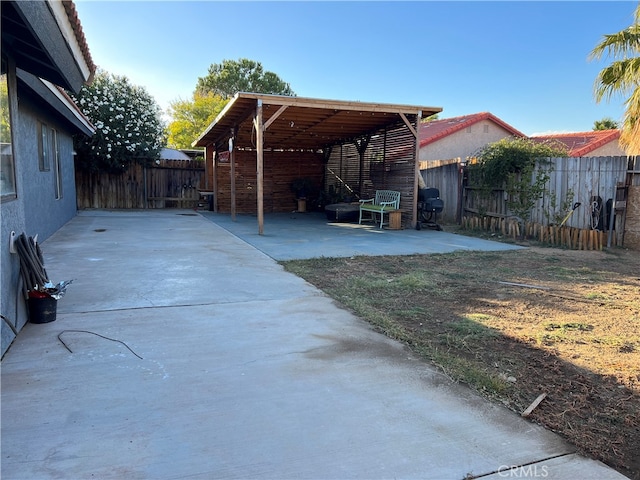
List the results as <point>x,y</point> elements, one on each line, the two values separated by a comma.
<point>164,184</point>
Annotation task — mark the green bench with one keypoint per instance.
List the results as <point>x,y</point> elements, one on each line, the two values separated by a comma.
<point>385,201</point>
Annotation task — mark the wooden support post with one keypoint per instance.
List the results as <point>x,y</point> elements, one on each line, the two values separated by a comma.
<point>232,161</point>
<point>416,133</point>
<point>414,208</point>
<point>211,158</point>
<point>361,146</point>
<point>260,165</point>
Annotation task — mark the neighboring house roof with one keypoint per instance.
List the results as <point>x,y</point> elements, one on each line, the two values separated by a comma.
<point>193,153</point>
<point>173,154</point>
<point>435,130</point>
<point>580,144</point>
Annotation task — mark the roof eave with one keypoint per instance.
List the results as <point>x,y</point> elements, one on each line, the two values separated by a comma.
<point>282,100</point>
<point>45,39</point>
<point>67,18</point>
<point>57,99</point>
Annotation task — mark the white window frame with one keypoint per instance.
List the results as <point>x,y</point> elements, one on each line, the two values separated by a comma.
<point>57,165</point>
<point>44,147</point>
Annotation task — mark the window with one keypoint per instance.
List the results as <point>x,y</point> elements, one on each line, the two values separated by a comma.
<point>7,167</point>
<point>55,156</point>
<point>49,152</point>
<point>485,128</point>
<point>44,147</point>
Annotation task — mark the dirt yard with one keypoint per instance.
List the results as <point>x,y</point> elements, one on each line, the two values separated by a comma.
<point>514,325</point>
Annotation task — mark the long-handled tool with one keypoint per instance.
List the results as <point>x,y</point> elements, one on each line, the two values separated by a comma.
<point>575,205</point>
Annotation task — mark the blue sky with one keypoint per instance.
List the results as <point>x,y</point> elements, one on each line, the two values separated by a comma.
<point>525,62</point>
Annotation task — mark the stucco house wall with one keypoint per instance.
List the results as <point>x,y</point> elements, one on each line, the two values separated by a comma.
<point>465,142</point>
<point>46,213</point>
<point>43,49</point>
<point>611,149</point>
<point>35,210</point>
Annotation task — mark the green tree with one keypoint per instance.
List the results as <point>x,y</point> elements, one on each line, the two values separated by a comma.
<point>128,125</point>
<point>510,164</point>
<point>230,77</point>
<point>622,77</point>
<point>605,124</point>
<point>191,117</point>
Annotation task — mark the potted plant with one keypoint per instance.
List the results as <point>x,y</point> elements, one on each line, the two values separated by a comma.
<point>302,187</point>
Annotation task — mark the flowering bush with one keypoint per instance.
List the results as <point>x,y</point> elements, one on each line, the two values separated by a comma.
<point>128,125</point>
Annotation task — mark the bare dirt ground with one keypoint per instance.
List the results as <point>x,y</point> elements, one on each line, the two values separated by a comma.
<point>514,325</point>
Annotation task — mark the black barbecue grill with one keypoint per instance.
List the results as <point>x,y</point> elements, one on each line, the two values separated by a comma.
<point>429,206</point>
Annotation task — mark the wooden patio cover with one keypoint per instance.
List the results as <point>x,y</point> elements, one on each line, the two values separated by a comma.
<point>259,121</point>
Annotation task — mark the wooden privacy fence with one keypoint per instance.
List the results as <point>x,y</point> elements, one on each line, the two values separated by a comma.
<point>165,184</point>
<point>603,190</point>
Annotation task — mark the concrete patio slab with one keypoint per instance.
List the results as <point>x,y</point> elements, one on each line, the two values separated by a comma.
<point>294,236</point>
<point>181,351</point>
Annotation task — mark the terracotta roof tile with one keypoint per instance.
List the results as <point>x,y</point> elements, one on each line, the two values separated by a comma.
<point>74,105</point>
<point>72,13</point>
<point>581,143</point>
<point>437,129</point>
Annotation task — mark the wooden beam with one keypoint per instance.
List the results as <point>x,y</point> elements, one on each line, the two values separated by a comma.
<point>408,124</point>
<point>336,104</point>
<point>275,116</point>
<point>260,165</point>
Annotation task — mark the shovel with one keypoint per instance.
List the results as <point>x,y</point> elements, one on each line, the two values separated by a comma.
<point>575,205</point>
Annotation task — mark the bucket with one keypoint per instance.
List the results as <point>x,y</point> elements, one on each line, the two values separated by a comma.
<point>42,308</point>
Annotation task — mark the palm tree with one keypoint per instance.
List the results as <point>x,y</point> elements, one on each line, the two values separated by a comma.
<point>622,77</point>
<point>606,123</point>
